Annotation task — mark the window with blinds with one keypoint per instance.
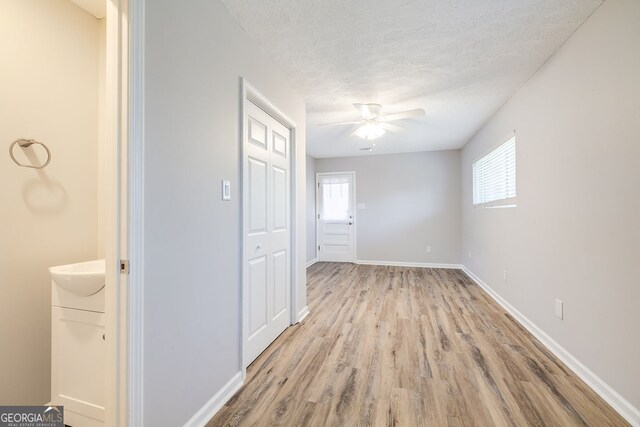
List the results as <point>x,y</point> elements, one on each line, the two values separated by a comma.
<point>494,176</point>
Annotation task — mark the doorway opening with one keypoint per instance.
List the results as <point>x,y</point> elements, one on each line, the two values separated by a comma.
<point>63,98</point>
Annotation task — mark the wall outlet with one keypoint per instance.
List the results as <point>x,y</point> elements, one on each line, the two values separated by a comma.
<point>504,275</point>
<point>428,248</point>
<point>559,309</point>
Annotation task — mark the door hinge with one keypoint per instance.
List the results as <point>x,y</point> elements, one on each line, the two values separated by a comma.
<point>124,266</point>
<point>318,247</point>
<point>318,185</point>
<point>318,216</point>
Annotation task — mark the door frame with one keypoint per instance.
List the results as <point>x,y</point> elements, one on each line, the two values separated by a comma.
<point>123,239</point>
<point>132,99</point>
<point>355,208</point>
<point>248,93</point>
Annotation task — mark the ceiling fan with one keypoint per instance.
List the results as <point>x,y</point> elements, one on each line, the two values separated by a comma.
<point>373,123</point>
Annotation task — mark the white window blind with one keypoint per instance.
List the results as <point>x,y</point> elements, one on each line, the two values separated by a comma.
<point>494,175</point>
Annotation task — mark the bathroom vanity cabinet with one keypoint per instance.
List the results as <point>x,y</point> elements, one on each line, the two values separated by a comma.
<point>78,342</point>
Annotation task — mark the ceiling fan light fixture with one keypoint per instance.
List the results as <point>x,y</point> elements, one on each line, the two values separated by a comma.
<point>370,130</point>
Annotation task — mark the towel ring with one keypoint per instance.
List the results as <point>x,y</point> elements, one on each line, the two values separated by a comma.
<point>24,143</point>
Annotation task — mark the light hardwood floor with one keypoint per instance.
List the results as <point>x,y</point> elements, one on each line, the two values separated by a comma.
<point>394,346</point>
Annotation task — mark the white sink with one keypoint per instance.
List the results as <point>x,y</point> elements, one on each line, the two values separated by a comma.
<point>83,278</point>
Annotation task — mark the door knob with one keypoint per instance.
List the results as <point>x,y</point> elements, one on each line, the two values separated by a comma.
<point>350,223</point>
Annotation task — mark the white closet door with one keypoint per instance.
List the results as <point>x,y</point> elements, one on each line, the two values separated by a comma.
<point>267,252</point>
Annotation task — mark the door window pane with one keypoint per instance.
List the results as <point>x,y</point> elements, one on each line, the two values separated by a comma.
<point>335,201</point>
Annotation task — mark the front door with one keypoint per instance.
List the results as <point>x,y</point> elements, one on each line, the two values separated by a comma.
<point>267,207</point>
<point>335,217</point>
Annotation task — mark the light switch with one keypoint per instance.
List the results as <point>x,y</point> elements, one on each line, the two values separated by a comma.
<point>226,190</point>
<point>559,309</point>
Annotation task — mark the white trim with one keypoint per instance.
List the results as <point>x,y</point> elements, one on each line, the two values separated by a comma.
<point>117,223</point>
<point>249,93</point>
<point>254,95</point>
<point>310,263</point>
<point>303,313</point>
<point>136,150</point>
<point>613,398</point>
<point>354,219</point>
<point>209,410</point>
<point>409,264</point>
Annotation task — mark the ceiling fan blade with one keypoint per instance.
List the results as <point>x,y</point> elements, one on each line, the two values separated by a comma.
<point>363,109</point>
<point>369,111</point>
<point>391,128</point>
<point>418,112</point>
<point>341,123</point>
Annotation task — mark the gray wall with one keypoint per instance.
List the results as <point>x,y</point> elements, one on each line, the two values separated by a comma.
<point>574,234</point>
<point>195,55</point>
<point>311,209</point>
<point>412,201</point>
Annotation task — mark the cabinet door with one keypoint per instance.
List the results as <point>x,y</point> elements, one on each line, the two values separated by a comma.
<point>78,362</point>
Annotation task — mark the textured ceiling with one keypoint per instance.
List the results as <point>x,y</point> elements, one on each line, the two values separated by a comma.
<point>460,60</point>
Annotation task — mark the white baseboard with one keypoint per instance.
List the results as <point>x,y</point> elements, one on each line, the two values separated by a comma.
<point>204,415</point>
<point>409,264</point>
<point>303,313</point>
<point>613,398</point>
<point>310,263</point>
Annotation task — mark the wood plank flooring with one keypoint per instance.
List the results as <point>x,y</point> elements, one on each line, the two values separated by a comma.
<point>395,346</point>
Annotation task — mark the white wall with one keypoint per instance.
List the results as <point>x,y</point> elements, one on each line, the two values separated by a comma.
<point>195,56</point>
<point>412,201</point>
<point>574,234</point>
<point>49,92</point>
<point>311,209</point>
